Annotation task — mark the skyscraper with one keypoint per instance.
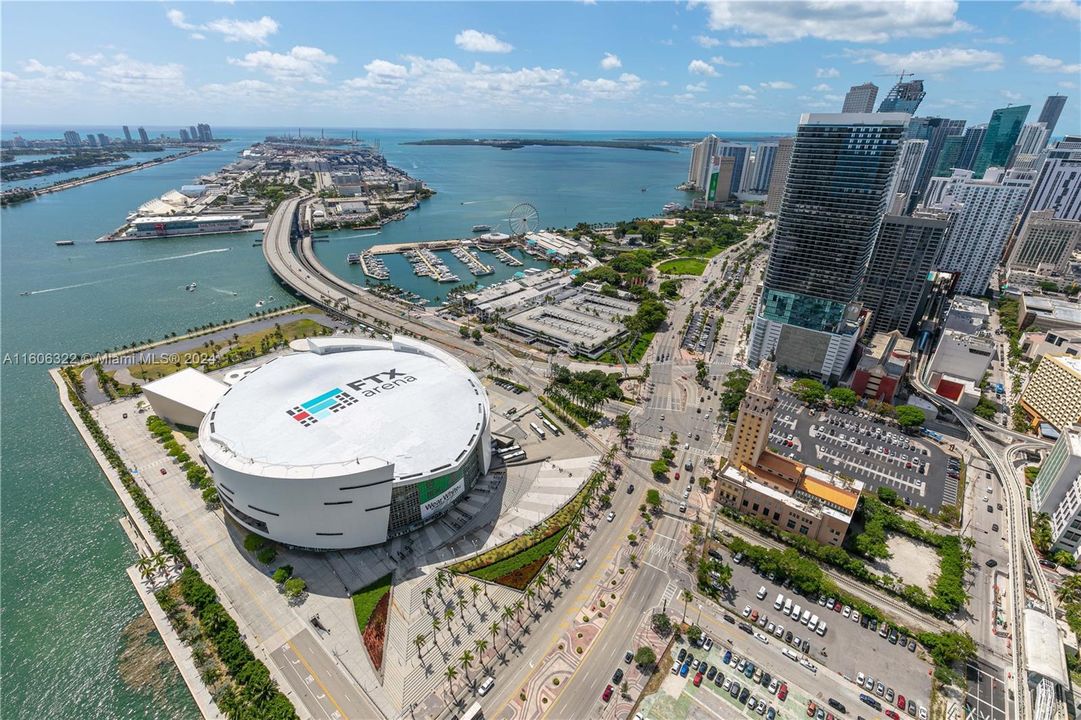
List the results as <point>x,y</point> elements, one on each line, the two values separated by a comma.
<point>834,199</point>
<point>720,180</point>
<point>903,97</point>
<point>971,148</point>
<point>907,251</point>
<point>949,156</point>
<point>143,138</point>
<point>204,132</point>
<point>764,156</point>
<point>701,161</point>
<point>1052,109</point>
<point>778,174</point>
<point>1002,132</point>
<point>740,154</point>
<point>193,133</point>
<point>983,213</point>
<point>71,139</point>
<point>934,130</point>
<point>103,139</point>
<point>91,141</point>
<point>1058,185</point>
<point>904,177</point>
<point>1032,141</point>
<point>184,136</point>
<point>127,135</point>
<point>860,98</point>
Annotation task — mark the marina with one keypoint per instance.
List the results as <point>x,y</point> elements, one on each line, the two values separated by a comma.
<point>472,262</point>
<point>506,257</point>
<point>427,264</point>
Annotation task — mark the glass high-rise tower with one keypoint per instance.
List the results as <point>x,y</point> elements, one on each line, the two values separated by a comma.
<point>903,97</point>
<point>1052,109</point>
<point>835,196</point>
<point>1002,131</point>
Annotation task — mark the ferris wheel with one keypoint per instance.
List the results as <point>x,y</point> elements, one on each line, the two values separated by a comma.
<point>523,219</point>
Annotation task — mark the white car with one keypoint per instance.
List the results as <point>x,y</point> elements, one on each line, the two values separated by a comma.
<point>761,592</point>
<point>855,615</point>
<point>746,611</point>
<point>859,678</point>
<point>707,643</point>
<point>611,515</point>
<point>778,631</point>
<point>580,562</point>
<point>486,685</point>
<point>923,713</point>
<point>846,611</point>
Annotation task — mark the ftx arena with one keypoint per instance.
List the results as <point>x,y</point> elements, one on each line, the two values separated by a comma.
<point>348,444</point>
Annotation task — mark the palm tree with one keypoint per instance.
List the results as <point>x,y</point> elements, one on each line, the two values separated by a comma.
<point>475,589</point>
<point>419,641</point>
<point>481,645</point>
<point>493,629</point>
<point>462,602</point>
<point>686,596</point>
<point>508,615</point>
<point>466,662</point>
<point>435,628</point>
<point>448,614</point>
<point>518,605</point>
<point>159,561</point>
<point>427,595</point>
<point>439,580</point>
<point>529,595</point>
<point>144,565</point>
<point>450,673</point>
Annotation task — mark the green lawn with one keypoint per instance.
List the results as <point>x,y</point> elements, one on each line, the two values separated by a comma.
<point>365,600</point>
<point>528,556</point>
<point>683,266</point>
<point>632,353</point>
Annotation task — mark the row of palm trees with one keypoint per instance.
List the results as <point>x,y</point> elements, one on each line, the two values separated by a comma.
<point>160,563</point>
<point>548,580</point>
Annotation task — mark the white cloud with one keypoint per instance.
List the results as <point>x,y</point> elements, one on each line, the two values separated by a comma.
<point>747,89</point>
<point>1011,95</point>
<point>827,72</point>
<point>778,85</point>
<point>869,21</point>
<point>302,63</point>
<point>90,60</point>
<point>1068,84</point>
<point>252,31</point>
<point>611,62</point>
<point>1068,9</point>
<point>1042,63</point>
<point>134,77</point>
<point>706,41</point>
<point>477,41</point>
<point>53,72</point>
<point>697,88</point>
<point>606,89</point>
<point>822,87</point>
<point>721,60</point>
<point>381,74</point>
<point>701,67</point>
<point>930,61</point>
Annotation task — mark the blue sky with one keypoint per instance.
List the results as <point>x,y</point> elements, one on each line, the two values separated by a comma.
<point>737,66</point>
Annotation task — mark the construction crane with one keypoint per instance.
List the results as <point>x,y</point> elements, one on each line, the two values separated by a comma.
<point>901,77</point>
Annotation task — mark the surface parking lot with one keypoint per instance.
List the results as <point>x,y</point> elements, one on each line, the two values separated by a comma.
<point>857,446</point>
<point>847,647</point>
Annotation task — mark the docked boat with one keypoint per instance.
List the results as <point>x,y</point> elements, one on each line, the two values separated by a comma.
<point>190,287</point>
<point>260,304</point>
<point>65,242</point>
<point>481,228</point>
<point>353,258</point>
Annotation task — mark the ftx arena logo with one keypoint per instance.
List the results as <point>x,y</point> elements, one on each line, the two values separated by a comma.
<point>332,401</point>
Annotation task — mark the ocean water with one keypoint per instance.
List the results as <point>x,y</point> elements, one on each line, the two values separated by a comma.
<point>66,598</point>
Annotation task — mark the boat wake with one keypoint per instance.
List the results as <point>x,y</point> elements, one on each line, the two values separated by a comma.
<point>173,257</point>
<point>223,292</point>
<point>362,235</point>
<point>63,287</point>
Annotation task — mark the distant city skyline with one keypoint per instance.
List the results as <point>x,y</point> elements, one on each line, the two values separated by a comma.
<point>704,66</point>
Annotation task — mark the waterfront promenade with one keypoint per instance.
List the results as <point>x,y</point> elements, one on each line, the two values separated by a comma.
<point>78,182</point>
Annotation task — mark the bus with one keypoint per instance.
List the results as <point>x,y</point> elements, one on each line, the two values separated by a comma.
<point>473,712</point>
<point>550,425</point>
<point>537,429</point>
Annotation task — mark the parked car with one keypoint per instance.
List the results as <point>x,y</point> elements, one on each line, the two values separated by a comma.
<point>607,694</point>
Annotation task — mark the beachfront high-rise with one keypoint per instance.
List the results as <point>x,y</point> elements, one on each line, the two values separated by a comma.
<point>836,194</point>
<point>127,135</point>
<point>861,98</point>
<point>143,137</point>
<point>1002,132</point>
<point>761,169</point>
<point>1052,110</point>
<point>701,161</point>
<point>903,97</point>
<point>779,174</point>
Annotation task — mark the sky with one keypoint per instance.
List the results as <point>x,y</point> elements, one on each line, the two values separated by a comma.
<point>595,65</point>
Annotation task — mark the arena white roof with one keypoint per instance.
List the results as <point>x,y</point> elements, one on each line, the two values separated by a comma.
<point>350,401</point>
<point>1043,647</point>
<point>188,387</point>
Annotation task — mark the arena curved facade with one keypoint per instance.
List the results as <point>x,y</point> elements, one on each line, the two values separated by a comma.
<point>349,444</point>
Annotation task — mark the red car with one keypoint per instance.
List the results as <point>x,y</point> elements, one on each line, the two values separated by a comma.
<point>901,701</point>
<point>811,708</point>
<point>163,471</point>
<point>754,616</point>
<point>782,692</point>
<point>892,714</point>
<point>837,606</point>
<point>607,694</point>
<point>677,476</point>
<point>698,680</point>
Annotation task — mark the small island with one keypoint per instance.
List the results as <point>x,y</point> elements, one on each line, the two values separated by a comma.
<point>516,143</point>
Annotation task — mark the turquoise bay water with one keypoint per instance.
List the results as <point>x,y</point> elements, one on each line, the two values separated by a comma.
<point>65,595</point>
